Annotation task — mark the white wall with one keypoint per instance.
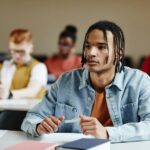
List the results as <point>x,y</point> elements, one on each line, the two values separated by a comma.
<point>46,18</point>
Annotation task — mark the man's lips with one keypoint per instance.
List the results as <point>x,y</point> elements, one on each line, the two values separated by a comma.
<point>92,62</point>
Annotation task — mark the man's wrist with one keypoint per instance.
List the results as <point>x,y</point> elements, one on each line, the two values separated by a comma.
<point>37,130</point>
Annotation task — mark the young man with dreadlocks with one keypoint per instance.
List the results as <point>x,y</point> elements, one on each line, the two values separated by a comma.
<point>111,100</point>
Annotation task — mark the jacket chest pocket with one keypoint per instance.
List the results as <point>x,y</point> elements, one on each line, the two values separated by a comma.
<point>66,110</point>
<point>129,112</point>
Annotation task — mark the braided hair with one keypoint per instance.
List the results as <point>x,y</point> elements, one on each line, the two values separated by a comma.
<point>119,41</point>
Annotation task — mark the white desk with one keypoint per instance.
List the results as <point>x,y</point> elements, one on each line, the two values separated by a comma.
<point>9,138</point>
<point>22,104</point>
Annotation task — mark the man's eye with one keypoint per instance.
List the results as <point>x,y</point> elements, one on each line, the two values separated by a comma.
<point>87,46</point>
<point>102,47</point>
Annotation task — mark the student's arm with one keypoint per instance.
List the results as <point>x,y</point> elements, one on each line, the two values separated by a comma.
<point>38,80</point>
<point>49,125</point>
<point>29,92</point>
<point>135,131</point>
<point>91,126</point>
<point>41,112</point>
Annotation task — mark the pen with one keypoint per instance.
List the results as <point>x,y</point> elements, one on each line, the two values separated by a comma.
<point>72,120</point>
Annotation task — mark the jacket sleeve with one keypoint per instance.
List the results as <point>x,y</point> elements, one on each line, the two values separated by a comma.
<point>45,108</point>
<point>135,131</point>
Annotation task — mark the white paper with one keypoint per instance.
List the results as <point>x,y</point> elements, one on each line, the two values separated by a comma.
<point>2,133</point>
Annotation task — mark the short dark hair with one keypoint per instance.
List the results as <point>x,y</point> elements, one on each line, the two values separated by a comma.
<point>119,41</point>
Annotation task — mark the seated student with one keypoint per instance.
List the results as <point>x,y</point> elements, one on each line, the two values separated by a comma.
<point>21,77</point>
<point>112,101</point>
<point>146,65</point>
<point>65,59</point>
<point>24,76</point>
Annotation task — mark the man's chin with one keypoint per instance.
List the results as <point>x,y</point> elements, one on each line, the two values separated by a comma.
<point>93,69</point>
<point>96,70</point>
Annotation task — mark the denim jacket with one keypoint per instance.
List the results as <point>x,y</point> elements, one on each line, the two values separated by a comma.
<point>127,97</point>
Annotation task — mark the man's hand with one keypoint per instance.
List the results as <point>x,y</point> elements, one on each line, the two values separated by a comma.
<point>91,126</point>
<point>49,125</point>
<point>4,92</point>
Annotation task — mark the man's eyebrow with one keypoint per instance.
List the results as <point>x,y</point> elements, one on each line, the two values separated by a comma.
<point>99,43</point>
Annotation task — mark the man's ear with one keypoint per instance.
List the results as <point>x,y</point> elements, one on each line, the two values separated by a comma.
<point>120,53</point>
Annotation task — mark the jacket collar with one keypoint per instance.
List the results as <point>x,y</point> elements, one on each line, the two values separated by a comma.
<point>84,81</point>
<point>118,80</point>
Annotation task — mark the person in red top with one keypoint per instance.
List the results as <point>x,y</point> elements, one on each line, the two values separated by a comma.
<point>65,59</point>
<point>146,65</point>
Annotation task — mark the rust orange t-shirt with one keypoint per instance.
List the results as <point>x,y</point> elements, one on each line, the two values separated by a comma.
<point>100,109</point>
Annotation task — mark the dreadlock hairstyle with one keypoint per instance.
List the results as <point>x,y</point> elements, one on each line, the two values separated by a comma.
<point>119,41</point>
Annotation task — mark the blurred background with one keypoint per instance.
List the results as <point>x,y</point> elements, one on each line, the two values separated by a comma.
<point>46,19</point>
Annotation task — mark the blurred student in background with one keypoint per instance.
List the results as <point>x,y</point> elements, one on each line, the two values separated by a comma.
<point>146,65</point>
<point>65,59</point>
<point>24,76</point>
<point>21,77</point>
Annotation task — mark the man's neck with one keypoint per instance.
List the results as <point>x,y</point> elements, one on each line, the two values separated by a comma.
<point>100,80</point>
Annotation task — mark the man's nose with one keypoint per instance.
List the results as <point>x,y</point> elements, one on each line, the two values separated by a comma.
<point>92,51</point>
<point>16,55</point>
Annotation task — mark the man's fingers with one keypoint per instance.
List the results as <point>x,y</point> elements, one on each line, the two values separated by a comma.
<point>86,118</point>
<point>47,126</point>
<point>89,123</point>
<point>55,120</point>
<point>41,129</point>
<point>61,118</point>
<point>52,124</point>
<point>85,128</point>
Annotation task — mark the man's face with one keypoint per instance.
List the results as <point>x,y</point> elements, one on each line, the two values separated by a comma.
<point>20,53</point>
<point>65,46</point>
<point>99,52</point>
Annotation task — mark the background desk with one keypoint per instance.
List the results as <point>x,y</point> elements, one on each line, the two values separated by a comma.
<point>9,138</point>
<point>15,110</point>
<point>21,105</point>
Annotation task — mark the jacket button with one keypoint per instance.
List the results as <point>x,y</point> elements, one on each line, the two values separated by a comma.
<point>74,109</point>
<point>89,99</point>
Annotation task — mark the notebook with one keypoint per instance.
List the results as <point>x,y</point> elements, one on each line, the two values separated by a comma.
<point>86,144</point>
<point>32,145</point>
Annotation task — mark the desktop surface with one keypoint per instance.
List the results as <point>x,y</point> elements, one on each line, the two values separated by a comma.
<point>10,138</point>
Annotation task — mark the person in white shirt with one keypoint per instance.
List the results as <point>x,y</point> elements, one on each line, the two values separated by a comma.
<point>22,77</point>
